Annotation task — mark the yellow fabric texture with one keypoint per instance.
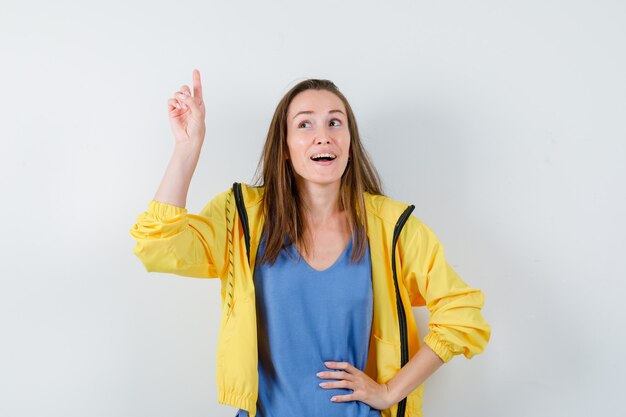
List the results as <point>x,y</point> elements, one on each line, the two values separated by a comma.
<point>212,245</point>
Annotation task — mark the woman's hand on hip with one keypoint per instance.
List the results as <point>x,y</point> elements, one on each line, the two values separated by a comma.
<point>364,388</point>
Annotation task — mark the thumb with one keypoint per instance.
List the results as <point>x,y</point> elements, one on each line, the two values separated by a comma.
<point>194,104</point>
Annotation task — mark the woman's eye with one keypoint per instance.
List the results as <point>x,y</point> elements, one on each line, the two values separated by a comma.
<point>337,121</point>
<point>304,123</point>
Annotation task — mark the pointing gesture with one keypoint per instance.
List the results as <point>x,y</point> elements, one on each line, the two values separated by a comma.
<point>187,114</point>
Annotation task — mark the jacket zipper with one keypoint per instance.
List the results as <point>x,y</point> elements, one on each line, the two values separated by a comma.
<point>404,342</point>
<point>241,209</point>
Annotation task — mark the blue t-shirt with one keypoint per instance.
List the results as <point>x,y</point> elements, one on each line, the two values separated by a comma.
<point>304,318</point>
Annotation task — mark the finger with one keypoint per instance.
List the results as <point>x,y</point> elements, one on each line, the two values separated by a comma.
<point>181,92</point>
<point>181,98</point>
<point>187,102</point>
<point>336,384</point>
<point>177,97</point>
<point>343,398</point>
<point>347,366</point>
<point>185,89</point>
<point>344,365</point>
<point>197,84</point>
<point>173,104</point>
<point>336,375</point>
<point>178,103</point>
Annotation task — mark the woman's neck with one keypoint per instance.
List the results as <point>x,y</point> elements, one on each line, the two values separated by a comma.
<point>321,201</point>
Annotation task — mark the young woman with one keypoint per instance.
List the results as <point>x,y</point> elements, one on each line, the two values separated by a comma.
<point>319,269</point>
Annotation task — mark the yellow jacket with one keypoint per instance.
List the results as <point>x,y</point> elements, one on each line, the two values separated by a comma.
<point>408,269</point>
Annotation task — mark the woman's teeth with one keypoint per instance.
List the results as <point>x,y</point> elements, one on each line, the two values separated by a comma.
<point>323,157</point>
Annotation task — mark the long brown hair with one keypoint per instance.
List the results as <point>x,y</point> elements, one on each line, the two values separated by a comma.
<point>283,207</point>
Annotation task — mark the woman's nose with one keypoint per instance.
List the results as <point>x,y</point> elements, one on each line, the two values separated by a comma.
<point>322,135</point>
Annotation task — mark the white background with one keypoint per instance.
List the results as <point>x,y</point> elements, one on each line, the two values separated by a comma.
<point>502,121</point>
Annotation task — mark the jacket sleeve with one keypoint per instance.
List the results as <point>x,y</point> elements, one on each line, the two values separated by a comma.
<point>456,324</point>
<point>169,239</point>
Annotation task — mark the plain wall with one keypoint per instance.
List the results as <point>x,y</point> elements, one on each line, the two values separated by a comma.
<point>502,121</point>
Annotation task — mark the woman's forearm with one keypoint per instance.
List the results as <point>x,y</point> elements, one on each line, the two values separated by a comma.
<point>175,183</point>
<point>422,365</point>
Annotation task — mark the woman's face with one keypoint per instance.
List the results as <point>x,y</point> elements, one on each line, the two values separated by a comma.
<point>317,125</point>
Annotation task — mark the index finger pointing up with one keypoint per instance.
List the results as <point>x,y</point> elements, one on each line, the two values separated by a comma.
<point>197,85</point>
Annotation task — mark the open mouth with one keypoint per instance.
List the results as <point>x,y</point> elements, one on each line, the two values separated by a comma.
<point>323,158</point>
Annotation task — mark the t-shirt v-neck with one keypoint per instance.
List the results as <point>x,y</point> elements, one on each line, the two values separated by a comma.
<point>296,253</point>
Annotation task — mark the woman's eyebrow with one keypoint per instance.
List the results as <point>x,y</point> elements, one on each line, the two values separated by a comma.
<point>311,112</point>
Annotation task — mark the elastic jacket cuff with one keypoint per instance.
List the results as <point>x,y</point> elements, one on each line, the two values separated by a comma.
<point>164,211</point>
<point>439,346</point>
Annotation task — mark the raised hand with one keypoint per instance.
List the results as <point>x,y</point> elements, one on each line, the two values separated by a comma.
<point>187,113</point>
